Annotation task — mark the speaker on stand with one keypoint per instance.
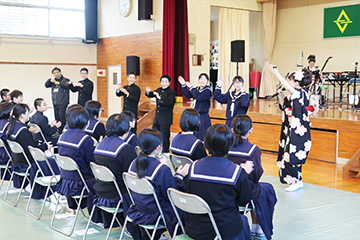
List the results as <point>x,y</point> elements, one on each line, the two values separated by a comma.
<point>237,55</point>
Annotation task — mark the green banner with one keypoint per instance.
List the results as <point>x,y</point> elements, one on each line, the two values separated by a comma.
<point>342,21</point>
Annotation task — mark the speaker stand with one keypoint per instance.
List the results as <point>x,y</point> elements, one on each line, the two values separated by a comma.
<point>237,68</point>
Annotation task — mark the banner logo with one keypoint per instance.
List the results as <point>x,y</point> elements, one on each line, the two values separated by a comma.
<point>342,19</point>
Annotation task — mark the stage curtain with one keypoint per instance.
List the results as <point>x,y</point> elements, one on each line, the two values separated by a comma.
<point>268,81</point>
<point>175,42</point>
<point>233,25</point>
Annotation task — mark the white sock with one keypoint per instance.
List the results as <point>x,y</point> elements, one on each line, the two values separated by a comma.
<point>254,227</point>
<point>259,230</point>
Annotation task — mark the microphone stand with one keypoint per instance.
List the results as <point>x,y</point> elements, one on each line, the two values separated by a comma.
<point>354,93</point>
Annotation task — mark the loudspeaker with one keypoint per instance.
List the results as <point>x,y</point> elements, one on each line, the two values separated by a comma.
<point>133,65</point>
<point>145,9</point>
<point>91,22</point>
<point>238,51</point>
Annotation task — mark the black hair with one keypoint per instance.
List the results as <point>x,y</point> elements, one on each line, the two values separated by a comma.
<point>219,140</point>
<point>55,68</point>
<point>311,58</point>
<point>205,75</point>
<point>4,92</point>
<point>131,115</point>
<point>93,108</point>
<point>190,120</point>
<point>131,73</point>
<point>306,80</point>
<point>15,94</point>
<point>241,126</point>
<point>117,125</point>
<point>149,139</point>
<point>239,78</point>
<point>77,117</point>
<point>84,69</point>
<point>37,102</point>
<point>167,77</point>
<point>5,109</point>
<point>16,112</point>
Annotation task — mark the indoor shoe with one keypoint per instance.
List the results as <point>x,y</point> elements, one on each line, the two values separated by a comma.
<point>295,187</point>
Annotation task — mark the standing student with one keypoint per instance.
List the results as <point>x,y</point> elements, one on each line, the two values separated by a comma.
<point>95,128</point>
<point>85,87</point>
<point>296,142</point>
<point>223,185</point>
<point>146,165</point>
<point>185,143</point>
<point>201,96</point>
<point>165,101</point>
<point>131,138</point>
<point>60,94</point>
<point>264,196</point>
<point>131,93</point>
<point>5,95</point>
<point>238,101</point>
<point>5,109</point>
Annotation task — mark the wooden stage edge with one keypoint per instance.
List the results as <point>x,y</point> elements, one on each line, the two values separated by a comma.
<point>335,134</point>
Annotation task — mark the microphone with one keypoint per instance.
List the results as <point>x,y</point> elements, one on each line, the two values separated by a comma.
<point>283,89</point>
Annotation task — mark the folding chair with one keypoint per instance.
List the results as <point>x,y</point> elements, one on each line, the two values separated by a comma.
<point>178,161</point>
<point>247,208</point>
<point>42,135</point>
<point>105,175</point>
<point>143,187</point>
<point>6,166</point>
<point>193,204</point>
<point>137,150</point>
<point>46,181</point>
<point>16,148</point>
<point>68,164</point>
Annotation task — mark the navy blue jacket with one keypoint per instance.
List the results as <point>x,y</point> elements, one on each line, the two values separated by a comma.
<point>236,104</point>
<point>131,102</point>
<point>85,92</point>
<point>188,145</point>
<point>164,106</point>
<point>43,122</point>
<point>95,128</point>
<point>201,97</point>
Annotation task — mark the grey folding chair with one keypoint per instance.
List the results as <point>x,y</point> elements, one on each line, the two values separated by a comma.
<point>16,148</point>
<point>37,126</point>
<point>143,187</point>
<point>68,164</point>
<point>6,166</point>
<point>193,204</point>
<point>46,181</point>
<point>247,208</point>
<point>103,174</point>
<point>178,161</point>
<point>137,150</point>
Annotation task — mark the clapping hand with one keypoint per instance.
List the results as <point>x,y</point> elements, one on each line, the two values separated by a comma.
<point>183,170</point>
<point>157,95</point>
<point>181,80</point>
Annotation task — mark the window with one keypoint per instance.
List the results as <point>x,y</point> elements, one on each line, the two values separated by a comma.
<point>45,18</point>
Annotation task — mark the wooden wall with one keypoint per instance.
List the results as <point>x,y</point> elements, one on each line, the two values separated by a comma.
<point>113,51</point>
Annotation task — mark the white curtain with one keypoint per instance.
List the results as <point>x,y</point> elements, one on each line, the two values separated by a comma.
<point>233,25</point>
<point>268,82</point>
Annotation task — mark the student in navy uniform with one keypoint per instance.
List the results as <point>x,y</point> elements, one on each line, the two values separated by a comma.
<point>42,121</point>
<point>263,193</point>
<point>18,132</point>
<point>238,101</point>
<point>5,95</point>
<point>223,185</point>
<point>95,128</point>
<point>201,96</point>
<point>146,165</point>
<point>185,143</point>
<point>165,101</point>
<point>85,87</point>
<point>5,109</point>
<point>115,154</point>
<point>131,138</point>
<point>60,94</point>
<point>16,96</point>
<point>131,93</point>
<point>79,146</point>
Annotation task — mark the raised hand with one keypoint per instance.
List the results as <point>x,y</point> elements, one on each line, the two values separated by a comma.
<point>148,89</point>
<point>181,80</point>
<point>220,82</point>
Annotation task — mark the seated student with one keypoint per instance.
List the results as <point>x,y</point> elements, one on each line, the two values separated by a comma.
<point>95,128</point>
<point>18,132</point>
<point>263,193</point>
<point>79,146</point>
<point>185,143</point>
<point>147,166</point>
<point>18,97</point>
<point>223,185</point>
<point>238,101</point>
<point>5,109</point>
<point>5,95</point>
<point>42,121</point>
<point>115,154</point>
<point>131,138</point>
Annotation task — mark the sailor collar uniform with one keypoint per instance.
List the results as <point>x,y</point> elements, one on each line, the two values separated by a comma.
<point>184,144</point>
<point>110,146</point>
<point>131,139</point>
<point>92,124</point>
<point>74,140</point>
<point>3,126</point>
<point>17,130</point>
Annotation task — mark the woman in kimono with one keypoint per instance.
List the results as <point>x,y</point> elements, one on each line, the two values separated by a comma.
<point>295,138</point>
<point>264,196</point>
<point>201,96</point>
<point>146,165</point>
<point>238,101</point>
<point>95,128</point>
<point>185,143</point>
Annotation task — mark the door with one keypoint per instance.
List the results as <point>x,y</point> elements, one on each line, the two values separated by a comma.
<point>114,78</point>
